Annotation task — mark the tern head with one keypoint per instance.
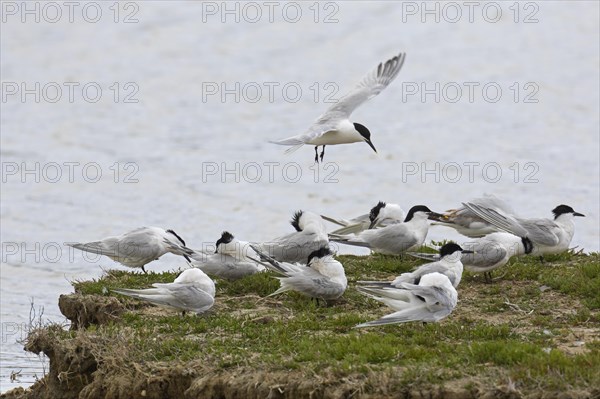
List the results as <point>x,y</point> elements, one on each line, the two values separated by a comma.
<point>226,238</point>
<point>450,248</point>
<point>365,133</point>
<point>564,209</point>
<point>419,211</point>
<point>177,236</point>
<point>319,253</point>
<point>374,213</point>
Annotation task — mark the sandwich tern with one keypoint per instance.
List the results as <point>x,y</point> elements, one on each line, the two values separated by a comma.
<point>322,277</point>
<point>467,223</point>
<point>228,262</point>
<point>394,238</point>
<point>548,236</point>
<point>138,247</point>
<point>380,215</point>
<point>448,264</point>
<point>334,127</point>
<point>489,252</point>
<point>297,246</point>
<point>431,300</point>
<point>227,244</point>
<point>192,290</point>
<point>301,219</point>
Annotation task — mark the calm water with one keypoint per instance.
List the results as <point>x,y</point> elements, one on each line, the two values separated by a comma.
<point>168,119</point>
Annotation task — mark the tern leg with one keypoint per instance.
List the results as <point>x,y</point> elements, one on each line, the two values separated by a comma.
<point>144,270</point>
<point>316,154</point>
<point>488,277</point>
<point>322,153</point>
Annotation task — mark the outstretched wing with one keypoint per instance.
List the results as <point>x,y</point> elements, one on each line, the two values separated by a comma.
<point>371,85</point>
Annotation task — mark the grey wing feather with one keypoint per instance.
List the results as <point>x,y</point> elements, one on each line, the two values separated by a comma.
<point>419,272</point>
<point>432,294</point>
<point>538,230</point>
<point>371,85</point>
<point>426,256</point>
<point>348,240</point>
<point>505,222</point>
<point>487,253</point>
<point>175,295</point>
<point>391,239</point>
<point>312,284</point>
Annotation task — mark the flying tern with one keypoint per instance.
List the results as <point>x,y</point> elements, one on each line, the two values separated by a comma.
<point>334,127</point>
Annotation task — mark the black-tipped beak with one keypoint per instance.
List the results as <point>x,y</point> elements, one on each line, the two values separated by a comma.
<point>434,216</point>
<point>578,214</point>
<point>467,251</point>
<point>371,145</point>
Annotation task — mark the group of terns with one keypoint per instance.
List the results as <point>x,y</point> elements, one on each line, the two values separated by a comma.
<point>303,261</point>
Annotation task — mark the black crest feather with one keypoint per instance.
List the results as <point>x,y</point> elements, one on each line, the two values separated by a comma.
<point>319,253</point>
<point>375,211</point>
<point>226,238</point>
<point>296,220</point>
<point>176,235</point>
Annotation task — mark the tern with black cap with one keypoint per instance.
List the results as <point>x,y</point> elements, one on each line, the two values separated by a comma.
<point>138,247</point>
<point>393,239</point>
<point>334,127</point>
<point>548,236</point>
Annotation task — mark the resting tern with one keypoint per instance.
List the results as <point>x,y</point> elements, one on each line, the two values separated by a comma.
<point>227,244</point>
<point>297,246</point>
<point>467,223</point>
<point>395,238</point>
<point>448,264</point>
<point>431,300</point>
<point>192,290</point>
<point>381,215</point>
<point>334,127</point>
<point>138,247</point>
<point>229,261</point>
<point>322,277</point>
<point>548,236</point>
<point>489,252</point>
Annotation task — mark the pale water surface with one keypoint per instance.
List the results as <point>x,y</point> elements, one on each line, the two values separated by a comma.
<point>167,145</point>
